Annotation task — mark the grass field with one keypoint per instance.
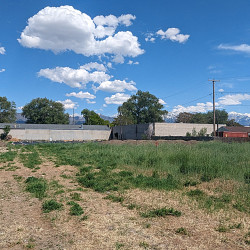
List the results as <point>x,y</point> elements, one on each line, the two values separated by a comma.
<point>189,183</point>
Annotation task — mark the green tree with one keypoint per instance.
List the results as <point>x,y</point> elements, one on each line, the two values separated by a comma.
<point>45,111</point>
<point>184,117</point>
<point>221,117</point>
<point>92,118</point>
<point>233,123</point>
<point>7,110</point>
<point>142,107</point>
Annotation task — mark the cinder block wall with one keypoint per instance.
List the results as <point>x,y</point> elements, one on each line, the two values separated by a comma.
<point>180,129</point>
<point>59,135</point>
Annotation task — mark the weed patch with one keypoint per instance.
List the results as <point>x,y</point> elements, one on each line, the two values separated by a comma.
<point>161,212</point>
<point>114,198</point>
<point>51,205</point>
<point>182,231</point>
<point>75,209</point>
<point>36,186</point>
<point>31,159</point>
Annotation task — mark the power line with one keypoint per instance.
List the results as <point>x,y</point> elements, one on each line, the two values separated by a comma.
<point>196,99</point>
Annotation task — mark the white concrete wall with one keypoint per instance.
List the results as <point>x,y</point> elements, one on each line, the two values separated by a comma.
<point>59,135</point>
<point>180,129</point>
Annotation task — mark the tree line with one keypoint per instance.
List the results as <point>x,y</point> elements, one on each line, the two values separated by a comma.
<point>142,107</point>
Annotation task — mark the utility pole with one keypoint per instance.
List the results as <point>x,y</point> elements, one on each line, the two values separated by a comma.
<point>73,116</point>
<point>214,81</point>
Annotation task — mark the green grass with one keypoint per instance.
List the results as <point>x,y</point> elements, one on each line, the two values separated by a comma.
<point>75,209</point>
<point>161,212</point>
<point>36,186</point>
<point>106,168</point>
<point>51,205</point>
<point>31,158</point>
<point>8,156</point>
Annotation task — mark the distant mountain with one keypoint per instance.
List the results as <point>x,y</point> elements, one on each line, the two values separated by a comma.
<point>20,119</point>
<point>243,119</point>
<point>78,120</point>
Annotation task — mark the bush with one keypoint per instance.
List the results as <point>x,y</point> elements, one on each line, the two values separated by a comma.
<point>5,133</point>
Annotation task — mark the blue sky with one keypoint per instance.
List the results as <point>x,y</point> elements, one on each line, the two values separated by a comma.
<point>94,54</point>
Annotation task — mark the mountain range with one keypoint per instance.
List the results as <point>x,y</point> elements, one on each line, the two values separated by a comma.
<point>243,119</point>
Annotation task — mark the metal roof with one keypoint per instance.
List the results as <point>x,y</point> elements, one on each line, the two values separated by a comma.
<point>55,126</point>
<point>234,129</point>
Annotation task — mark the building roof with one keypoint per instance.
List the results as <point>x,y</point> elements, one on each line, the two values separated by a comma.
<point>55,126</point>
<point>234,129</point>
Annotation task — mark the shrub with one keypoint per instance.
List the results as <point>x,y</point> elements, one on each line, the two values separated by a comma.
<point>5,133</point>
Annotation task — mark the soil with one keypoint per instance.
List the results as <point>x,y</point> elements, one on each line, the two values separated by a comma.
<point>109,225</point>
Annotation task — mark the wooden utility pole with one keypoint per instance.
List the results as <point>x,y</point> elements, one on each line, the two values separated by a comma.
<point>214,81</point>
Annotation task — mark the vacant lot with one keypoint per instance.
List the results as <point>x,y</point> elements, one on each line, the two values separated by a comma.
<point>125,196</point>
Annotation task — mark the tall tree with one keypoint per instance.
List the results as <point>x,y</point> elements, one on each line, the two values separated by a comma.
<point>7,110</point>
<point>184,117</point>
<point>45,111</point>
<point>142,107</point>
<point>92,118</point>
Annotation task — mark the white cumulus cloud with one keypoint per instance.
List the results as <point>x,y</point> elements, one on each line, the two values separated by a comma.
<point>65,28</point>
<point>118,98</point>
<point>69,104</point>
<point>198,108</point>
<point>75,78</point>
<point>2,50</point>
<point>82,95</point>
<point>233,99</point>
<point>173,34</point>
<point>116,86</point>
<point>2,70</point>
<point>106,25</point>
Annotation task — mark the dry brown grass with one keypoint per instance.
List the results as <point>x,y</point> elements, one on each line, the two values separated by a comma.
<point>110,225</point>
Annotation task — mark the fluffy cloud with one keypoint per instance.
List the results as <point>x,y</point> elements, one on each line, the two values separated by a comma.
<point>2,70</point>
<point>94,65</point>
<point>150,37</point>
<point>198,108</point>
<point>239,48</point>
<point>2,50</point>
<point>130,62</point>
<point>106,25</point>
<point>233,99</point>
<point>162,102</point>
<point>173,34</point>
<point>75,78</point>
<point>82,95</point>
<point>208,106</point>
<point>68,104</point>
<point>235,114</point>
<point>118,98</point>
<point>116,86</point>
<point>65,28</point>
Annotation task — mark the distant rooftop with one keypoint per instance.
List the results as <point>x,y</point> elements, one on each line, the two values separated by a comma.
<point>54,126</point>
<point>234,129</point>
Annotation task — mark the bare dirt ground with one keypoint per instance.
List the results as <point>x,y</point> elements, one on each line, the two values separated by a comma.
<point>109,225</point>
